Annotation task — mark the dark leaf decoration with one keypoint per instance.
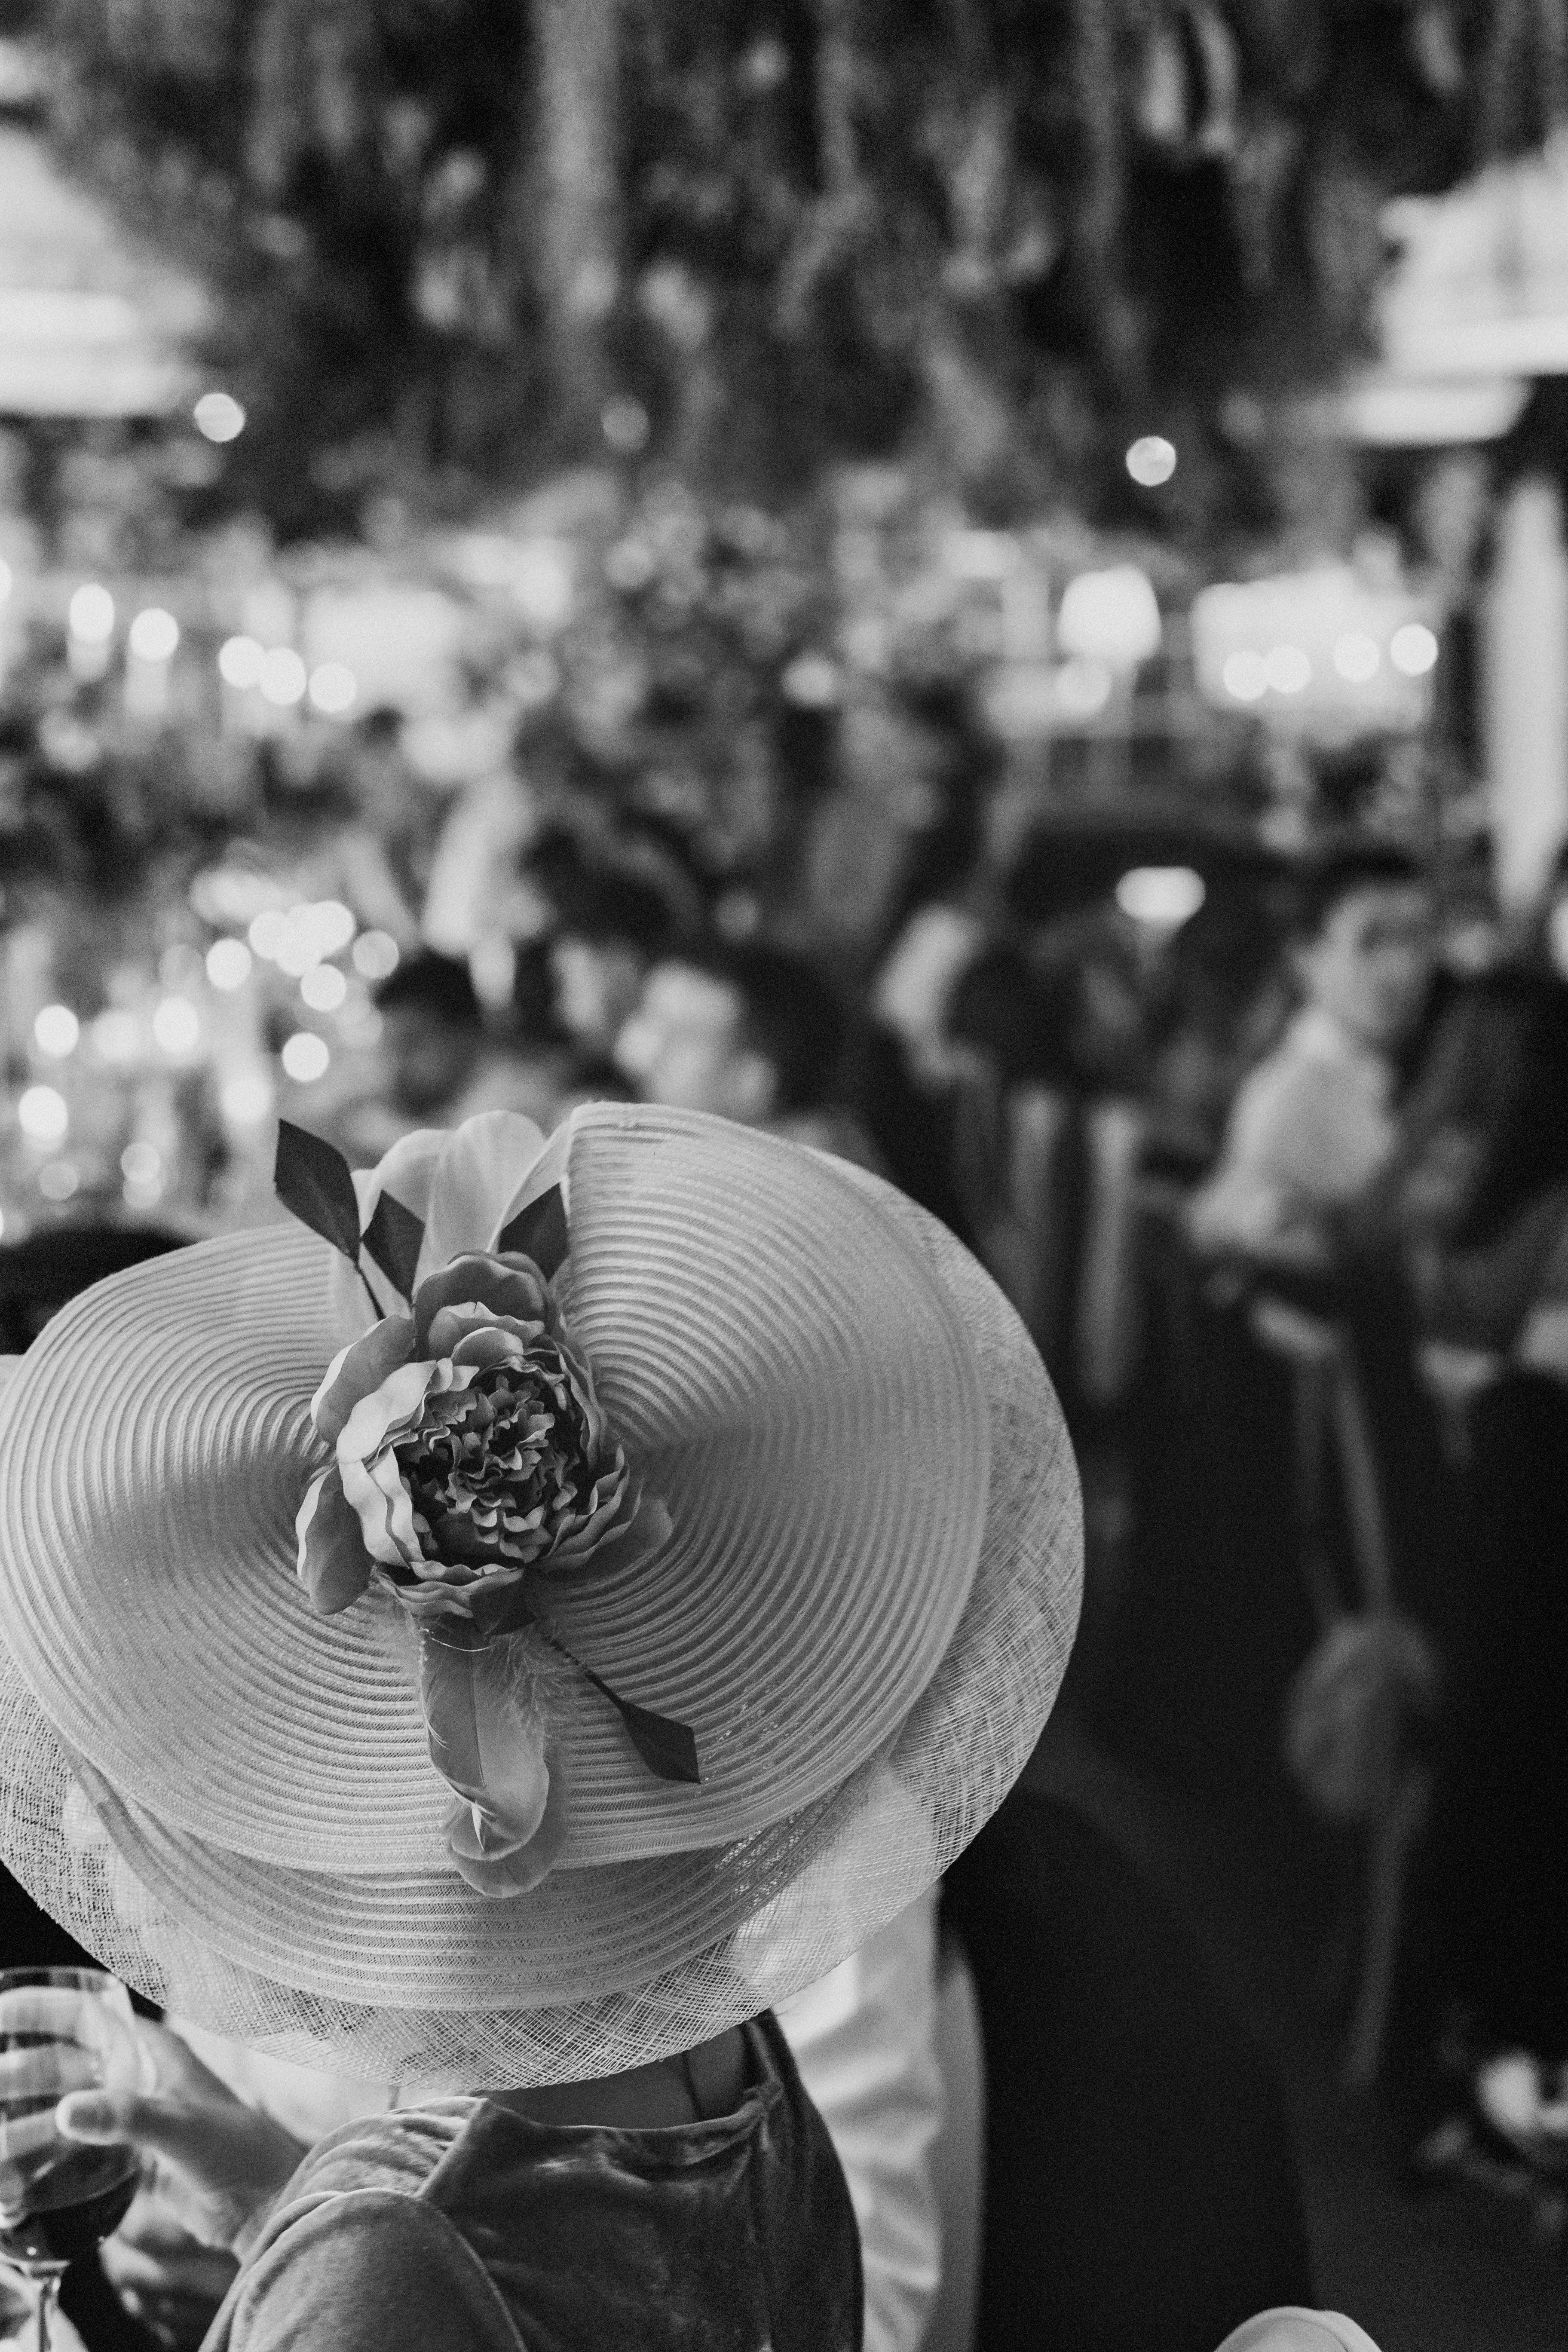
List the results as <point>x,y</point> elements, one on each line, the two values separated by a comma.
<point>539,1232</point>
<point>313,1181</point>
<point>393,1238</point>
<point>668,1749</point>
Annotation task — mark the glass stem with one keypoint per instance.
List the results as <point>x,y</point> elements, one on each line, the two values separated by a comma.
<point>48,2305</point>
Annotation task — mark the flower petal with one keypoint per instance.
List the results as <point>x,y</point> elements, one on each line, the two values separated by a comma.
<point>483,1349</point>
<point>333,1563</point>
<point>479,1279</point>
<point>376,1492</point>
<point>550,1167</point>
<point>393,1407</point>
<point>481,1168</point>
<point>407,1171</point>
<point>358,1371</point>
<point>452,1325</point>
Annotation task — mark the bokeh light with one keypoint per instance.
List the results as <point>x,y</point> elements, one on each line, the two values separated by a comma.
<point>305,1057</point>
<point>229,964</point>
<point>1413,649</point>
<point>267,934</point>
<point>1152,460</point>
<point>56,1032</point>
<point>1164,896</point>
<point>283,677</point>
<point>177,1028</point>
<point>1111,616</point>
<point>92,614</point>
<point>375,955</point>
<point>324,989</point>
<point>1246,676</point>
<point>1288,669</point>
<point>240,662</point>
<point>154,634</point>
<point>42,1115</point>
<point>141,1163</point>
<point>218,416</point>
<point>59,1179</point>
<point>333,689</point>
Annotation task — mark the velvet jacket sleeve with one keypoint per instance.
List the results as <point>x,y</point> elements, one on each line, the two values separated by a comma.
<point>364,2271</point>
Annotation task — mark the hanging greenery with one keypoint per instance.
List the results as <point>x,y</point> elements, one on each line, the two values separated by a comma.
<point>468,240</point>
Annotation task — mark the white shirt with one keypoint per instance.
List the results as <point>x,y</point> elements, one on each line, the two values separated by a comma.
<point>864,2038</point>
<point>1309,1132</point>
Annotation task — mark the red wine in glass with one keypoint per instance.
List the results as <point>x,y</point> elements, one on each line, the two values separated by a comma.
<point>88,2196</point>
<point>61,2029</point>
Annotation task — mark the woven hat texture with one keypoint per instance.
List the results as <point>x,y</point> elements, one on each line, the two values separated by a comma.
<point>864,1614</point>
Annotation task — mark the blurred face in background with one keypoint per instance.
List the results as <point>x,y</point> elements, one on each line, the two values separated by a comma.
<point>685,1045</point>
<point>598,983</point>
<point>1371,965</point>
<point>429,1060</point>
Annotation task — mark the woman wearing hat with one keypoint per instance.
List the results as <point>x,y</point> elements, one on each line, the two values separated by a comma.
<point>508,1655</point>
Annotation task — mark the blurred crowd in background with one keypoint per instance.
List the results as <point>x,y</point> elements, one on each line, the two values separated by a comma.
<point>993,601</point>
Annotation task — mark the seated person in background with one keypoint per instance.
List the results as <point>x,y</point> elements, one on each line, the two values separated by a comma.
<point>432,1038</point>
<point>1313,1127</point>
<point>1480,1198</point>
<point>610,929</point>
<point>905,1070</point>
<point>1223,1004</point>
<point>752,1032</point>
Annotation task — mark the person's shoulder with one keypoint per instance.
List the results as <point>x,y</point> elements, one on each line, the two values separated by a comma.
<point>366,2269</point>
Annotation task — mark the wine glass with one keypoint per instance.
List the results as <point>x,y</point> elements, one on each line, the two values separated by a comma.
<point>61,2029</point>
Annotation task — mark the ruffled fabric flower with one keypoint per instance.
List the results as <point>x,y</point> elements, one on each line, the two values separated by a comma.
<point>471,1458</point>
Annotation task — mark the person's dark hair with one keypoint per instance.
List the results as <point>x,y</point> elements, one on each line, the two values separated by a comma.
<point>791,1015</point>
<point>1338,872</point>
<point>1003,1007</point>
<point>380,730</point>
<point>440,985</point>
<point>610,909</point>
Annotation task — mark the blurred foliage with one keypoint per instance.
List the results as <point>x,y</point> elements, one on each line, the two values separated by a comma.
<point>455,241</point>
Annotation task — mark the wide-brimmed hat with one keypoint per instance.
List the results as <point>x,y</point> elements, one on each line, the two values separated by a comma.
<point>856,1608</point>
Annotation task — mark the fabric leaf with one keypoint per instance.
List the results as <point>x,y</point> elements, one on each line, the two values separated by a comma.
<point>668,1749</point>
<point>313,1181</point>
<point>393,1237</point>
<point>490,1752</point>
<point>539,1232</point>
<point>667,1746</point>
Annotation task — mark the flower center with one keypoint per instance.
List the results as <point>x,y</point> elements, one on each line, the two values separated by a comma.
<point>496,1468</point>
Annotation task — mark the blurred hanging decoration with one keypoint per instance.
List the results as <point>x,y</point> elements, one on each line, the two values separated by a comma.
<point>1189,83</point>
<point>1523,77</point>
<point>490,239</point>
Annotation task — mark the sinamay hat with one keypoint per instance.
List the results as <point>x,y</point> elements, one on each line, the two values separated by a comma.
<point>859,1610</point>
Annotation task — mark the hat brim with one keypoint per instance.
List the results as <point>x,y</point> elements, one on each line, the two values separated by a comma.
<point>785,1374</point>
<point>405,1976</point>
